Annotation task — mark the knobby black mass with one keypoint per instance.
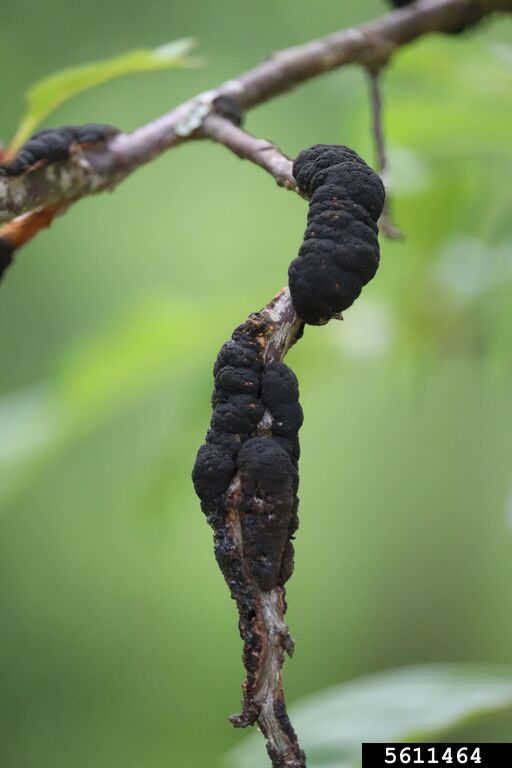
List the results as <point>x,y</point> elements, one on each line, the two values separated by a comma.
<point>253,437</point>
<point>47,146</point>
<point>52,144</point>
<point>340,252</point>
<point>246,473</point>
<point>247,479</point>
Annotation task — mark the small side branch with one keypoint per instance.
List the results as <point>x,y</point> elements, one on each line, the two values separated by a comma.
<point>247,147</point>
<point>386,222</point>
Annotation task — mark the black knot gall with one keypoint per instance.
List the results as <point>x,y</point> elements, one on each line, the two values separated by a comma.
<point>473,18</point>
<point>6,254</point>
<point>212,474</point>
<point>267,510</point>
<point>53,144</point>
<point>229,108</point>
<point>252,448</point>
<point>340,252</point>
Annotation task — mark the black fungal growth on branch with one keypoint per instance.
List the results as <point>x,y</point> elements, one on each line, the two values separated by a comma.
<point>6,254</point>
<point>246,477</point>
<point>229,108</point>
<point>52,144</point>
<point>340,252</point>
<point>456,29</point>
<point>47,146</point>
<point>246,473</point>
<point>249,460</point>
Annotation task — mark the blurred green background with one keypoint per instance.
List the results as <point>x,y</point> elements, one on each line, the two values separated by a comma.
<point>119,643</point>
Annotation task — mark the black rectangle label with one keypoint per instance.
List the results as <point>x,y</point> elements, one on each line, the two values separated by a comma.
<point>442,755</point>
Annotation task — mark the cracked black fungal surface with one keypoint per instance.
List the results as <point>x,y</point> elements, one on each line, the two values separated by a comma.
<point>253,436</point>
<point>52,144</point>
<point>340,251</point>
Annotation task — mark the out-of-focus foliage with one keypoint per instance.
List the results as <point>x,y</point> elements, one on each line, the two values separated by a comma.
<point>99,377</point>
<point>411,704</point>
<point>119,641</point>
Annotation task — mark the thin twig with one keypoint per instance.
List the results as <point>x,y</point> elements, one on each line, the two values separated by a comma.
<point>247,147</point>
<point>386,222</point>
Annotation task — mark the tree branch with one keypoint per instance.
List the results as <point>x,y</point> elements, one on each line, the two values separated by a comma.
<point>93,170</point>
<point>261,613</point>
<point>259,151</point>
<point>35,197</point>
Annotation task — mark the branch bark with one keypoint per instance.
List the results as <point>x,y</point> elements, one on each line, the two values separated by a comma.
<point>102,168</point>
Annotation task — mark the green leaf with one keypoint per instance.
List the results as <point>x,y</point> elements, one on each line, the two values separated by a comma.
<point>409,704</point>
<point>50,92</point>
